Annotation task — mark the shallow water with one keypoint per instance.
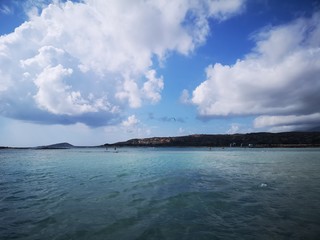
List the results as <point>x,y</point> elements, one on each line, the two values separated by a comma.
<point>166,193</point>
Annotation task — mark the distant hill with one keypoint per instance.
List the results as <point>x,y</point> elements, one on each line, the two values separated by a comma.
<point>263,139</point>
<point>6,147</point>
<point>3,147</point>
<point>63,145</point>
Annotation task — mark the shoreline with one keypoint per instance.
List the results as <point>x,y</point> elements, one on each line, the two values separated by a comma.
<point>246,140</point>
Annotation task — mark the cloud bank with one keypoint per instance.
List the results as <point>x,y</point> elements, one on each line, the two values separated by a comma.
<point>88,61</point>
<point>279,80</point>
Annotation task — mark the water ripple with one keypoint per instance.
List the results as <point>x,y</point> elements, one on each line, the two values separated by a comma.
<point>160,194</point>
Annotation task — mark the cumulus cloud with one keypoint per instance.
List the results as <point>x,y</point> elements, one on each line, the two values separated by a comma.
<point>74,61</point>
<point>279,79</point>
<point>131,127</point>
<point>234,128</point>
<point>152,87</point>
<point>185,97</point>
<point>131,121</point>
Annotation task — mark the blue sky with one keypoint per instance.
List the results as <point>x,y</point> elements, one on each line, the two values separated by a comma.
<point>93,71</point>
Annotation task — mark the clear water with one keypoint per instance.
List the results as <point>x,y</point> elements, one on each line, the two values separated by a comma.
<point>160,194</point>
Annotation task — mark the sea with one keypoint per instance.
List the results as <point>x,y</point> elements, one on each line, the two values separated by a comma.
<point>160,193</point>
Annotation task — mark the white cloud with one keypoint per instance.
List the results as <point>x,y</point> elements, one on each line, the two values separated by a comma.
<point>152,87</point>
<point>224,9</point>
<point>280,77</point>
<point>132,127</point>
<point>185,97</point>
<point>181,131</point>
<point>130,92</point>
<point>131,121</point>
<point>55,96</point>
<point>97,57</point>
<point>233,129</point>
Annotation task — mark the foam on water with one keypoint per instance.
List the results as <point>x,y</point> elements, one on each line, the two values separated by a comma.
<point>263,185</point>
<point>160,194</point>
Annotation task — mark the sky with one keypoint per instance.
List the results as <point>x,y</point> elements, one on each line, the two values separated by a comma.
<point>90,72</point>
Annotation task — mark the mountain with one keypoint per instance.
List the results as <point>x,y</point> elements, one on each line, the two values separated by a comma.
<point>63,145</point>
<point>4,147</point>
<point>263,139</point>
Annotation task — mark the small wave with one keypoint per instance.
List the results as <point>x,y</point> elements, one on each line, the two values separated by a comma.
<point>122,175</point>
<point>263,185</point>
<point>113,194</point>
<point>11,198</point>
<point>5,209</point>
<point>97,176</point>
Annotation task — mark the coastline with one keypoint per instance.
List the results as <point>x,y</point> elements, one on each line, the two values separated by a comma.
<point>249,140</point>
<point>246,140</point>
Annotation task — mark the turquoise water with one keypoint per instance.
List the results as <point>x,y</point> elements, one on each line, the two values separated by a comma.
<point>167,193</point>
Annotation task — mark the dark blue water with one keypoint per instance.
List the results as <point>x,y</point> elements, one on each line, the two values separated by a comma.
<point>160,194</point>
